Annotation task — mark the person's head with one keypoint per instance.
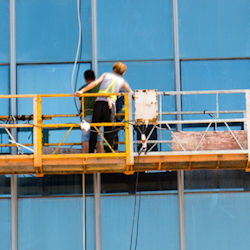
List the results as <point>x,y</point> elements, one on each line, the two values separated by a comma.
<point>119,68</point>
<point>89,75</point>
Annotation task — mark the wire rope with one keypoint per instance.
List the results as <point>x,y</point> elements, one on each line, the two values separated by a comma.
<point>133,221</point>
<point>77,51</point>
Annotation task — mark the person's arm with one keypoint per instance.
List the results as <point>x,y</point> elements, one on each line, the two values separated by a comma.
<point>126,87</point>
<point>91,85</point>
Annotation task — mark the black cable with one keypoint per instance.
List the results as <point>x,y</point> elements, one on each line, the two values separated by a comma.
<point>138,128</point>
<point>133,222</point>
<point>144,128</point>
<point>139,207</point>
<point>113,130</point>
<point>138,219</point>
<point>106,132</point>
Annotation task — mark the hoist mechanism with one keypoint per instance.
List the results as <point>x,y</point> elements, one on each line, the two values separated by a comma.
<point>148,138</point>
<point>146,113</point>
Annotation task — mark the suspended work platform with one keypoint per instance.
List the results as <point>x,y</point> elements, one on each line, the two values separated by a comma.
<point>206,137</point>
<point>79,163</point>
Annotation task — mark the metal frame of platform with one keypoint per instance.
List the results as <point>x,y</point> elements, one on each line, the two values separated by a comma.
<point>93,163</point>
<point>128,161</point>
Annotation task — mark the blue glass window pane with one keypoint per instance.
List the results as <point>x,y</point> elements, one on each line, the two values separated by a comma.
<point>208,214</point>
<point>4,31</point>
<point>49,79</point>
<point>37,215</point>
<point>146,75</point>
<point>5,224</point>
<point>4,89</point>
<point>47,31</point>
<point>156,211</point>
<point>4,103</point>
<point>215,75</point>
<point>138,29</point>
<point>214,28</point>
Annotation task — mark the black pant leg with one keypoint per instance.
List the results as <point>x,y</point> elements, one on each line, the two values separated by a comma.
<point>108,131</point>
<point>93,133</point>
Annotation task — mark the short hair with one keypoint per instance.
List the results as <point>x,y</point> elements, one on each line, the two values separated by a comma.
<point>119,68</point>
<point>89,74</point>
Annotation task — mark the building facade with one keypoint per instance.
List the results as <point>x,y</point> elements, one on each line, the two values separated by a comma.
<point>210,45</point>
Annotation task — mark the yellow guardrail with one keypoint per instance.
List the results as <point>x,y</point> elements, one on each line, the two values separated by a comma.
<point>38,126</point>
<point>128,161</point>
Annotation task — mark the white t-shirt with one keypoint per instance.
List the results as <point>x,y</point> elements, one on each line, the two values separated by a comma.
<point>110,78</point>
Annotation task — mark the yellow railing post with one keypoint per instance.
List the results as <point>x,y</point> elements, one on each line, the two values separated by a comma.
<point>37,131</point>
<point>82,104</point>
<point>129,162</point>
